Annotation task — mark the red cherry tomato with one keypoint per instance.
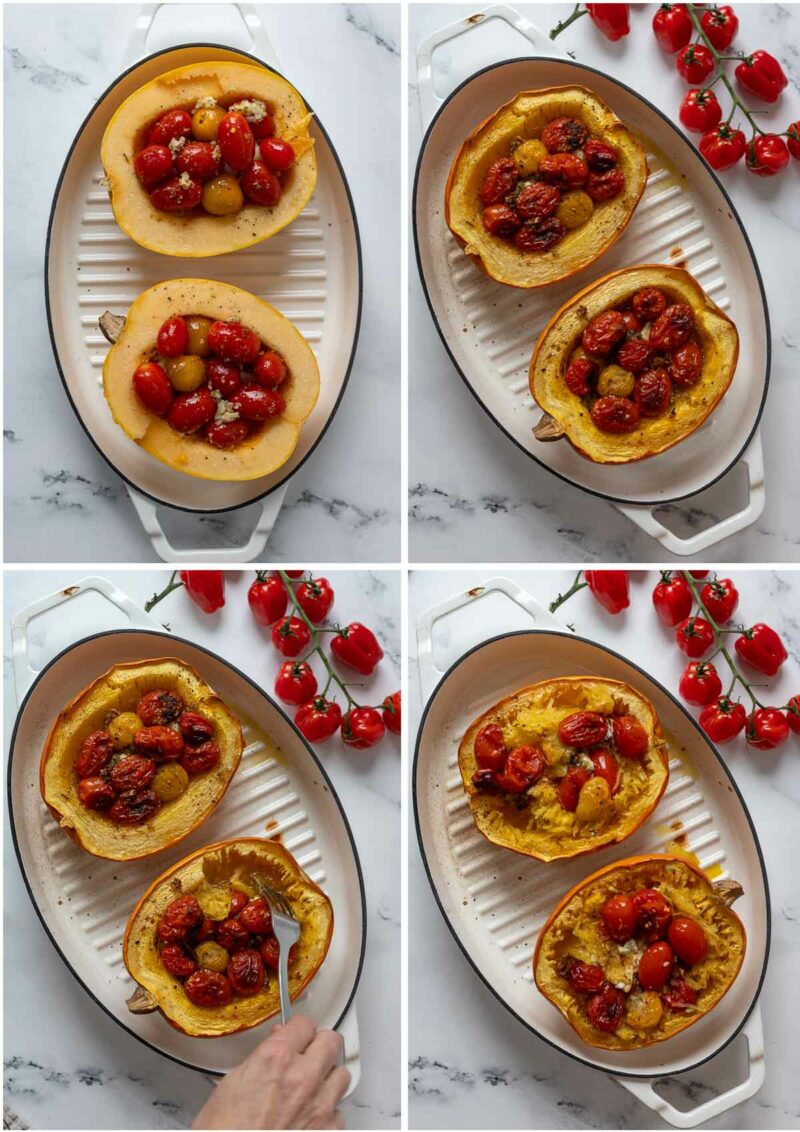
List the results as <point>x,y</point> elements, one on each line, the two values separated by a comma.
<point>319,719</point>
<point>605,766</point>
<point>490,748</point>
<point>723,146</point>
<point>233,342</point>
<point>173,337</point>
<point>720,26</point>
<point>391,710</point>
<point>630,736</point>
<point>698,575</point>
<point>175,196</point>
<point>793,714</point>
<point>695,63</point>
<point>694,636</point>
<point>225,377</point>
<point>610,588</point>
<point>569,787</point>
<point>767,728</point>
<point>362,727</point>
<point>605,1009</point>
<point>672,599</point>
<point>653,913</point>
<point>270,369</point>
<point>153,389</point>
<point>255,403</point>
<point>267,598</point>
<point>767,155</point>
<point>762,648</point>
<point>206,588</point>
<point>226,434</point>
<point>688,940</point>
<point>276,154</point>
<point>524,766</point>
<point>700,683</point>
<point>583,729</point>
<point>260,185</point>
<point>295,682</point>
<point>357,646</point>
<point>721,599</point>
<point>199,161</point>
<point>610,19</point>
<point>315,598</point>
<point>585,978</point>
<point>619,916</point>
<point>152,165</point>
<point>793,140</point>
<point>173,124</point>
<point>678,994</point>
<point>236,142</point>
<point>290,636</point>
<point>672,25</point>
<point>762,75</point>
<point>264,128</point>
<point>190,411</point>
<point>723,720</point>
<point>700,111</point>
<point>655,966</point>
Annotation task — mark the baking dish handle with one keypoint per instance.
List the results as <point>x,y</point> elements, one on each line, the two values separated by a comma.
<point>429,673</point>
<point>429,100</point>
<point>645,518</point>
<point>24,672</point>
<point>205,23</point>
<point>753,1031</point>
<point>253,548</point>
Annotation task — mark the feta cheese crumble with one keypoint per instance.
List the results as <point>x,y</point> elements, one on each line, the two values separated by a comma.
<point>207,103</point>
<point>252,108</point>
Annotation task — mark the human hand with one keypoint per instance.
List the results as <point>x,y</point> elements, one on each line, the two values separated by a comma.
<point>291,1080</point>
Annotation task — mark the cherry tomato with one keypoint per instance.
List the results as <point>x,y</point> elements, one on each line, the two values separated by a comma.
<point>698,575</point>
<point>206,588</point>
<point>178,919</point>
<point>649,303</point>
<point>236,142</point>
<point>723,147</point>
<point>762,75</point>
<point>357,646</point>
<point>173,124</point>
<point>225,377</point>
<point>295,682</point>
<point>586,978</point>
<point>255,403</point>
<point>655,966</point>
<point>134,806</point>
<point>793,140</point>
<point>270,952</point>
<point>583,729</point>
<point>695,63</point>
<point>524,766</point>
<point>678,994</point>
<point>700,683</point>
<point>290,636</point>
<point>605,186</point>
<point>225,434</point>
<point>95,793</point>
<point>762,648</point>
<point>603,333</point>
<point>536,201</point>
<point>260,185</point>
<point>267,598</point>
<point>391,711</point>
<point>563,135</point>
<point>720,26</point>
<point>95,751</point>
<point>634,355</point>
<point>605,766</point>
<point>362,727</point>
<point>501,177</point>
<point>318,720</point>
<point>672,599</point>
<point>176,961</point>
<point>277,154</point>
<point>246,972</point>
<point>577,374</point>
<point>686,364</point>
<point>199,759</point>
<point>630,737</point>
<point>208,988</point>
<point>315,598</point>
<point>653,392</point>
<point>232,935</point>
<point>233,342</point>
<point>500,220</point>
<point>131,772</point>
<point>688,940</point>
<point>153,389</point>
<point>605,1009</point>
<point>270,369</point>
<point>700,111</point>
<point>766,728</point>
<point>175,196</point>
<point>619,916</point>
<point>159,742</point>
<point>767,155</point>
<point>793,714</point>
<point>610,19</point>
<point>191,411</point>
<point>609,587</point>
<point>653,913</point>
<point>238,900</point>
<point>569,787</point>
<point>672,26</point>
<point>173,336</point>
<point>721,599</point>
<point>199,161</point>
<point>195,728</point>
<point>694,637</point>
<point>265,128</point>
<point>152,165</point>
<point>564,170</point>
<point>490,748</point>
<point>672,328</point>
<point>615,414</point>
<point>723,720</point>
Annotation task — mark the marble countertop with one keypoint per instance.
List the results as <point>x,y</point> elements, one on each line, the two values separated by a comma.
<point>494,496</point>
<point>67,1065</point>
<point>63,502</point>
<point>471,1064</point>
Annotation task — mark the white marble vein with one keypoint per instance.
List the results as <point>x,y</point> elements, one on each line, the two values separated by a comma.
<point>100,1077</point>
<point>494,503</point>
<point>471,1065</point>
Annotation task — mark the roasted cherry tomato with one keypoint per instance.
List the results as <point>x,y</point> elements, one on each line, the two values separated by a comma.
<point>564,170</point>
<point>319,719</point>
<point>153,388</point>
<point>630,737</point>
<point>158,707</point>
<point>615,414</point>
<point>655,966</point>
<point>653,392</point>
<point>700,683</point>
<point>766,728</point>
<point>603,333</point>
<point>95,793</point>
<point>236,142</point>
<point>206,588</point>
<point>762,648</point>
<point>270,369</point>
<point>672,599</point>
<point>583,729</point>
<point>232,935</point>
<point>720,26</point>
<point>290,636</point>
<point>649,303</point>
<point>700,111</point>
<point>536,201</point>
<point>177,961</point>
<point>600,157</point>
<point>490,748</point>
<point>524,766</point>
<point>256,916</point>
<point>199,159</point>
<point>563,135</point>
<point>606,1008</point>
<point>159,743</point>
<point>267,598</point>
<point>694,637</point>
<point>177,195</point>
<point>723,720</point>
<point>793,714</point>
<point>688,940</point>
<point>295,682</point>
<point>226,434</point>
<point>678,994</point>
<point>586,978</point>
<point>695,63</point>
<point>762,75</point>
<point>179,918</point>
<point>277,154</point>
<point>672,328</point>
<point>577,374</point>
<point>134,807</point>
<point>672,25</point>
<point>199,759</point>
<point>362,727</point>
<point>391,710</point>
<point>686,364</point>
<point>131,772</point>
<point>173,124</point>
<point>723,146</point>
<point>569,787</point>
<point>653,913</point>
<point>500,220</point>
<point>195,728</point>
<point>260,185</point>
<point>270,952</point>
<point>721,599</point>
<point>238,900</point>
<point>539,235</point>
<point>315,598</point>
<point>255,403</point>
<point>634,354</point>
<point>191,411</point>
<point>610,19</point>
<point>609,587</point>
<point>95,751</point>
<point>357,646</point>
<point>619,916</point>
<point>246,972</point>
<point>767,154</point>
<point>234,342</point>
<point>605,186</point>
<point>605,766</point>
<point>501,177</point>
<point>208,988</point>
<point>152,165</point>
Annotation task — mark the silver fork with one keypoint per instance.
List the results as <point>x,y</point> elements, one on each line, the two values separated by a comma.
<point>287,932</point>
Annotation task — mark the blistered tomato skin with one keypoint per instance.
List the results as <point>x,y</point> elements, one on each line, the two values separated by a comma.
<point>134,807</point>
<point>583,729</point>
<point>500,220</point>
<point>197,760</point>
<point>653,913</point>
<point>649,303</point>
<point>577,376</point>
<point>500,179</point>
<point>256,916</point>
<point>96,749</point>
<point>686,364</point>
<point>536,201</point>
<point>95,793</point>
<point>605,1009</point>
<point>208,988</point>
<point>630,737</point>
<point>616,414</point>
<point>564,170</point>
<point>179,918</point>
<point>246,972</point>
<point>132,772</point>
<point>619,917</point>
<point>600,157</point>
<point>538,236</point>
<point>603,333</point>
<point>671,329</point>
<point>605,186</point>
<point>158,707</point>
<point>490,747</point>
<point>562,135</point>
<point>159,743</point>
<point>653,392</point>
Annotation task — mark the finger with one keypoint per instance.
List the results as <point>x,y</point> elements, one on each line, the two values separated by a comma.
<point>338,1119</point>
<point>324,1052</point>
<point>322,1119</point>
<point>298,1033</point>
<point>334,1086</point>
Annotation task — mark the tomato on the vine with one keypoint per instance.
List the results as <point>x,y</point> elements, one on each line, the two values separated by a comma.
<point>700,683</point>
<point>290,636</point>
<point>698,575</point>
<point>610,588</point>
<point>695,62</point>
<point>761,647</point>
<point>721,599</point>
<point>793,140</point>
<point>793,714</point>
<point>206,588</point>
<point>720,26</point>
<point>762,75</point>
<point>392,712</point>
<point>767,155</point>
<point>295,682</point>
<point>723,720</point>
<point>694,637</point>
<point>672,25</point>
<point>315,598</point>
<point>767,728</point>
<point>722,147</point>
<point>267,598</point>
<point>700,111</point>
<point>672,599</point>
<point>319,719</point>
<point>610,19</point>
<point>362,727</point>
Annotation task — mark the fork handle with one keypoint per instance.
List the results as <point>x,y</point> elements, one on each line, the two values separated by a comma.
<point>283,984</point>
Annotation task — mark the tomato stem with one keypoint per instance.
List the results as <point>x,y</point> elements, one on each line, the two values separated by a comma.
<point>719,59</point>
<point>316,647</point>
<point>718,631</point>
<point>156,598</point>
<point>577,12</point>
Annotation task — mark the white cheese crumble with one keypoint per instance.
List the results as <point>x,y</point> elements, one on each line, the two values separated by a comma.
<point>185,181</point>
<point>216,152</point>
<point>585,762</point>
<point>225,412</point>
<point>176,145</point>
<point>252,108</point>
<point>207,103</point>
<point>629,947</point>
<point>215,393</point>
